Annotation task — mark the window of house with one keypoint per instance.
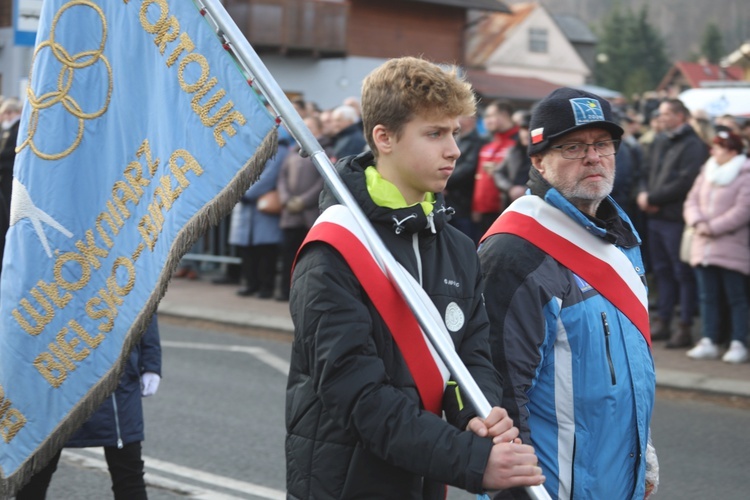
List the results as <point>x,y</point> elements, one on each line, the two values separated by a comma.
<point>537,39</point>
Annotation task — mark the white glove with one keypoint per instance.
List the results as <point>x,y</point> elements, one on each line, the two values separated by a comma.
<point>652,469</point>
<point>149,384</point>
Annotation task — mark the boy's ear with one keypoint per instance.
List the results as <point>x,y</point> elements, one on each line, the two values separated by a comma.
<point>382,138</point>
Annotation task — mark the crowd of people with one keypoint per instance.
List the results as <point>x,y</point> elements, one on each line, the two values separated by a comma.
<point>664,192</point>
<point>531,232</point>
<point>540,284</point>
<point>663,149</point>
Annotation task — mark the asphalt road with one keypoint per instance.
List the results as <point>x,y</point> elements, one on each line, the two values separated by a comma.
<point>215,429</point>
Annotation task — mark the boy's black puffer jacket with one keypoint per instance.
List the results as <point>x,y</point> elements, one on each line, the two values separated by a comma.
<point>355,424</point>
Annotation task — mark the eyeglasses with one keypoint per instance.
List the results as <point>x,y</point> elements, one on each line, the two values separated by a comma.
<point>578,150</point>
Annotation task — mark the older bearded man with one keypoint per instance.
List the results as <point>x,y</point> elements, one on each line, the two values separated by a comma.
<point>567,301</point>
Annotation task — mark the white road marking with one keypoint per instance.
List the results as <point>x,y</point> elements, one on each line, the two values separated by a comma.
<point>258,352</point>
<point>94,458</point>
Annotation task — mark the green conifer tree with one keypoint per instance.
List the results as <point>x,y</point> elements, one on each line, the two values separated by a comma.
<point>712,43</point>
<point>631,53</point>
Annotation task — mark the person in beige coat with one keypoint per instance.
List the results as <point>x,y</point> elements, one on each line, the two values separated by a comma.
<point>299,186</point>
<point>718,209</point>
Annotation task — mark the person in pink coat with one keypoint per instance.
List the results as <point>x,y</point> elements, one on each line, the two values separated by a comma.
<point>718,209</point>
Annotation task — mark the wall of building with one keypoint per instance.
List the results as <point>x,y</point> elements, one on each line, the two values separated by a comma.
<point>432,31</point>
<point>15,64</point>
<point>560,64</point>
<point>326,81</point>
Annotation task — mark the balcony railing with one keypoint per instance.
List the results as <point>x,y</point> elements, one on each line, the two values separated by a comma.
<point>304,27</point>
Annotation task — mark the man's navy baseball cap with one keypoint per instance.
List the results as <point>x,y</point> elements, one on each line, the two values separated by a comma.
<point>566,110</point>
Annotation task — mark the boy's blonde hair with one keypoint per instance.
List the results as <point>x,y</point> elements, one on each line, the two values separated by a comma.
<point>406,87</point>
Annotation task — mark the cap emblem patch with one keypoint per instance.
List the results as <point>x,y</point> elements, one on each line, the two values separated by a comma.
<point>586,110</point>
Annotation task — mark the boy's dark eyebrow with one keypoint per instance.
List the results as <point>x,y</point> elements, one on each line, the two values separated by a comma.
<point>443,128</point>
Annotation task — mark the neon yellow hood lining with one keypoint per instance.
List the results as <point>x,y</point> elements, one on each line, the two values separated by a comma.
<point>385,194</point>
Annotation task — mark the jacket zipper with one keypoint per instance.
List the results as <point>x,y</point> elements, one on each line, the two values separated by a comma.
<point>573,468</point>
<point>606,342</point>
<point>415,247</point>
<point>117,423</point>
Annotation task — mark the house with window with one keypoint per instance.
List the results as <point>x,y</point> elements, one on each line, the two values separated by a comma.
<point>741,58</point>
<point>521,55</point>
<point>321,50</point>
<point>684,75</point>
<point>317,49</point>
<point>580,37</point>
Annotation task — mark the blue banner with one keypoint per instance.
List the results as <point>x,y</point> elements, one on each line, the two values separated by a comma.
<point>139,131</point>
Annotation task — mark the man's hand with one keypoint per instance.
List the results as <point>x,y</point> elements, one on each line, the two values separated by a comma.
<point>703,229</point>
<point>643,204</point>
<point>498,425</point>
<point>642,200</point>
<point>516,192</point>
<point>511,465</point>
<point>295,204</point>
<point>490,166</point>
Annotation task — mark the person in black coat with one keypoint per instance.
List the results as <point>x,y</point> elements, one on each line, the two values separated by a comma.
<point>10,115</point>
<point>348,138</point>
<point>460,188</point>
<point>513,173</point>
<point>670,169</point>
<point>117,425</point>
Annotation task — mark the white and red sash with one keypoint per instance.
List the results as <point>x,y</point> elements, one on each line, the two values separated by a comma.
<point>337,227</point>
<point>599,263</point>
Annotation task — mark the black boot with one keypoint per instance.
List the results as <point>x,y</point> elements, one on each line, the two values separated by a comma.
<point>682,337</point>
<point>660,329</point>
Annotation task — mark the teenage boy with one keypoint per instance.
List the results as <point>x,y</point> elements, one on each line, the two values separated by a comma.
<point>365,397</point>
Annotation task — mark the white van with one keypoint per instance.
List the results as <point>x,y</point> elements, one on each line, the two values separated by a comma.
<point>717,101</point>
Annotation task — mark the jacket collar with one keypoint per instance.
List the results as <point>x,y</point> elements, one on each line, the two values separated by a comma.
<point>404,219</point>
<point>611,223</point>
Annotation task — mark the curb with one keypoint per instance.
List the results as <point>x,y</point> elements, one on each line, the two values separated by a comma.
<point>665,378</point>
<point>691,381</point>
<point>243,319</point>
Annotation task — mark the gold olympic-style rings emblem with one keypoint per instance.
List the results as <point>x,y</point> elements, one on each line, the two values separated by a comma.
<point>61,95</point>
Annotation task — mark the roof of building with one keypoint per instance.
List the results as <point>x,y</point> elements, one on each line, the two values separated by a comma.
<point>494,29</point>
<point>696,73</point>
<point>741,56</point>
<point>488,5</point>
<point>509,87</point>
<point>574,28</point>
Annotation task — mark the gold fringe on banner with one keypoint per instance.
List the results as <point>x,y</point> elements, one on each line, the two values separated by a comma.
<point>210,215</point>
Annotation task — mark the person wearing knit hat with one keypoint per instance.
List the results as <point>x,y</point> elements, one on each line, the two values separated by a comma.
<point>568,305</point>
<point>567,110</point>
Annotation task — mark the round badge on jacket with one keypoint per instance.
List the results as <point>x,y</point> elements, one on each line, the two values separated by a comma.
<point>454,317</point>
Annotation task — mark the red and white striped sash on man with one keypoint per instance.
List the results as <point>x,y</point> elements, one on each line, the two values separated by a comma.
<point>337,227</point>
<point>601,264</point>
